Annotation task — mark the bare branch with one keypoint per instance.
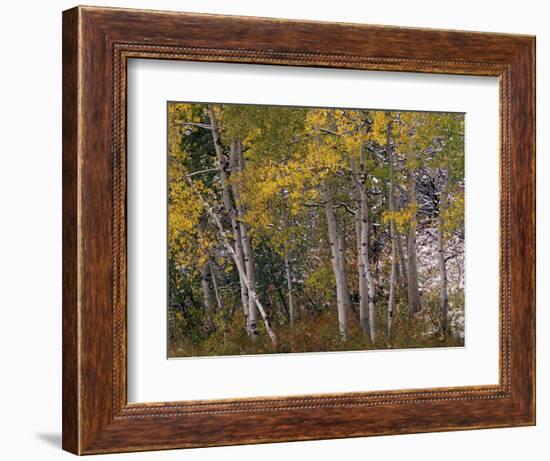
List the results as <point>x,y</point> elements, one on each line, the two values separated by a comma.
<point>197,125</point>
<point>345,206</point>
<point>209,170</point>
<point>452,256</point>
<point>326,130</point>
<point>316,205</point>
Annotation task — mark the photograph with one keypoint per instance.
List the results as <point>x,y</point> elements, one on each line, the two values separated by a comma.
<point>313,229</point>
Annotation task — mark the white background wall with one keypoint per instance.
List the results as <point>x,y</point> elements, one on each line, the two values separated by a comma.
<point>30,228</point>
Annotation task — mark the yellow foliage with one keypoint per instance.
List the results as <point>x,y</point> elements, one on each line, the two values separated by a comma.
<point>453,215</point>
<point>402,218</point>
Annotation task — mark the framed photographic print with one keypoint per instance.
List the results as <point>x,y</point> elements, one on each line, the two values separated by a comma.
<point>284,230</point>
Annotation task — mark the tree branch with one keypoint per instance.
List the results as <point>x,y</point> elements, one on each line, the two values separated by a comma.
<point>315,205</point>
<point>454,255</point>
<point>345,206</point>
<point>197,125</point>
<point>209,170</point>
<point>326,130</point>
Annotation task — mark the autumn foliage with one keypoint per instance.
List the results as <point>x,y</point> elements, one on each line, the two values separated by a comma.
<point>311,229</point>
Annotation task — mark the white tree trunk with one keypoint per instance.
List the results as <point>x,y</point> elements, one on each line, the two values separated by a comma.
<point>370,291</point>
<point>337,251</point>
<point>363,288</point>
<point>207,287</point>
<point>402,262</point>
<point>365,274</point>
<point>223,167</point>
<point>365,250</point>
<point>413,291</point>
<point>250,273</point>
<point>359,225</point>
<point>240,266</point>
<point>237,156</point>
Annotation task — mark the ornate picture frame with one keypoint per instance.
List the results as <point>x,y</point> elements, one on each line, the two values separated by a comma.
<point>97,44</point>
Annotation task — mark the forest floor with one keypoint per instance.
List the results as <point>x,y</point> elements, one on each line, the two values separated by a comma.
<point>312,333</point>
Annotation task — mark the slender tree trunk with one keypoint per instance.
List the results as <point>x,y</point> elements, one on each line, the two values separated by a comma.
<point>288,271</point>
<point>223,167</point>
<point>337,251</point>
<point>363,289</point>
<point>236,153</point>
<point>364,316</point>
<point>279,291</point>
<point>370,282</point>
<point>365,239</point>
<point>402,262</point>
<point>251,275</point>
<point>245,299</point>
<point>391,207</point>
<point>207,287</point>
<point>393,286</point>
<point>413,291</point>
<point>216,288</point>
<point>398,274</point>
<point>240,267</point>
<point>311,301</point>
<point>367,308</point>
<point>444,294</point>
